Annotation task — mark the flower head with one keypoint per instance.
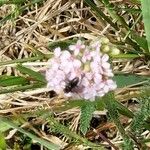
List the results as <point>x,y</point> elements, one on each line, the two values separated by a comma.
<point>85,63</point>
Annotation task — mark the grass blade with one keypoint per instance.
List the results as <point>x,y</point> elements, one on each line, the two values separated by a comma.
<point>20,60</point>
<point>12,80</point>
<point>127,80</point>
<point>43,142</point>
<point>22,88</point>
<point>35,75</point>
<point>146,18</point>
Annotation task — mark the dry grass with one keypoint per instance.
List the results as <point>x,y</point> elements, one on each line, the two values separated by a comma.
<point>57,21</point>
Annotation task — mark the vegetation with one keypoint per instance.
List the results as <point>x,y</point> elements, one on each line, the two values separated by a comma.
<point>35,117</point>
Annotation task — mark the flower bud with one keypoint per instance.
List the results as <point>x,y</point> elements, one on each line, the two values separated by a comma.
<point>87,67</point>
<point>105,48</point>
<point>115,51</point>
<point>104,40</point>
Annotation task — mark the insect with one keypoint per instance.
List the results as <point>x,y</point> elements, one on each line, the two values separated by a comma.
<point>71,85</point>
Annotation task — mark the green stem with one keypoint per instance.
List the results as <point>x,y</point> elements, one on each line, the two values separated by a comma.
<point>21,60</point>
<point>126,56</point>
<point>22,88</point>
<point>130,29</point>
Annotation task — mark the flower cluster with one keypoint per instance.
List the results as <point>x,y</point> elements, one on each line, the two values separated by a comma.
<point>82,62</point>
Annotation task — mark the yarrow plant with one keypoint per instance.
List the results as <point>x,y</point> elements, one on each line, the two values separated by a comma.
<point>85,63</point>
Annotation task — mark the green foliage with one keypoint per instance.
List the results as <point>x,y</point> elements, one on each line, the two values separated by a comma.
<point>86,116</point>
<point>2,142</point>
<point>110,106</point>
<point>123,80</point>
<point>109,100</point>
<point>59,128</point>
<point>99,13</point>
<point>34,75</point>
<point>4,127</point>
<point>142,116</point>
<point>146,17</point>
<point>62,44</point>
<point>20,60</point>
<point>22,88</point>
<point>141,41</point>
<point>128,144</point>
<point>123,110</point>
<point>2,2</point>
<point>12,80</point>
<point>32,136</point>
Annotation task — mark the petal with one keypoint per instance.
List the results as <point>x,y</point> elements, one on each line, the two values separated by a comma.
<point>105,58</point>
<point>77,63</point>
<point>57,52</point>
<point>72,47</point>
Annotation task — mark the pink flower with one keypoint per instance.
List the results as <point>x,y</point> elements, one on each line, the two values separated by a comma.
<point>77,47</point>
<point>87,55</point>
<point>87,65</point>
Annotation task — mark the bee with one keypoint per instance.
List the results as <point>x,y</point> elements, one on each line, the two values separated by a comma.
<point>71,85</point>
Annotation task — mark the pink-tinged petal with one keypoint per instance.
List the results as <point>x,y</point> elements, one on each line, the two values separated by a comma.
<point>72,47</point>
<point>85,82</point>
<point>112,85</point>
<point>89,75</point>
<point>105,65</point>
<point>106,88</point>
<point>86,56</point>
<point>57,52</point>
<point>77,47</point>
<point>105,58</point>
<point>97,58</point>
<point>100,93</point>
<point>69,94</point>
<point>65,55</point>
<point>76,52</point>
<point>94,66</point>
<point>89,93</point>
<point>77,63</point>
<point>97,78</point>
<point>80,44</point>
<point>108,73</point>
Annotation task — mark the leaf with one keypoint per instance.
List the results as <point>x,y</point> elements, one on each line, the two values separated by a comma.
<point>12,80</point>
<point>123,80</point>
<point>22,88</point>
<point>143,113</point>
<point>122,109</point>
<point>4,127</point>
<point>53,123</point>
<point>146,17</point>
<point>86,116</point>
<point>2,2</point>
<point>20,60</point>
<point>141,41</point>
<point>125,56</point>
<point>36,75</point>
<point>109,100</point>
<point>43,142</point>
<point>62,44</point>
<point>2,142</point>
